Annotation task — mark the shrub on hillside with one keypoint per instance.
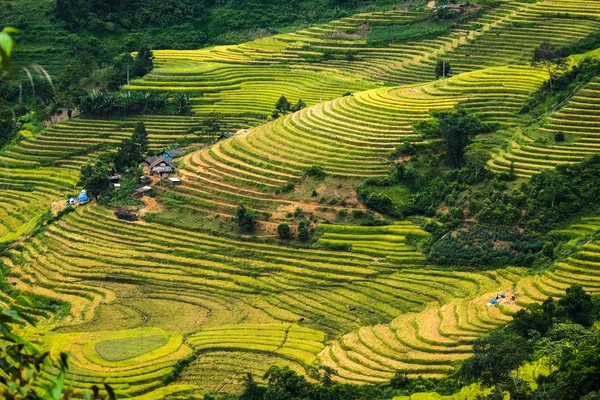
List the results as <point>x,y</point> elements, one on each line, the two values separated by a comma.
<point>284,231</point>
<point>316,172</point>
<point>246,219</point>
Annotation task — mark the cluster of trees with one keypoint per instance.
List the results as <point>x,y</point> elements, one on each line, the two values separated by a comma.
<point>563,86</point>
<point>428,190</point>
<point>304,231</point>
<point>283,106</point>
<point>457,127</point>
<point>560,333</point>
<point>205,21</point>
<point>542,202</point>
<point>94,176</point>
<point>109,104</point>
<point>521,216</point>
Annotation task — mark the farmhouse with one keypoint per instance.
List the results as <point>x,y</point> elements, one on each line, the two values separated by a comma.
<point>158,166</point>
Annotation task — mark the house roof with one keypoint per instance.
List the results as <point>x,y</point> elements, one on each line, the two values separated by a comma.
<point>173,152</point>
<point>150,159</point>
<point>161,159</point>
<point>162,169</point>
<point>144,189</point>
<point>226,135</point>
<point>174,179</point>
<point>114,177</point>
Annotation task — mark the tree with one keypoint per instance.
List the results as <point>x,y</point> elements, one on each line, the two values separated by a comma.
<point>476,160</point>
<point>442,69</point>
<point>303,231</point>
<point>117,74</point>
<point>457,127</point>
<point>399,380</point>
<point>284,231</point>
<point>548,58</point>
<point>578,305</point>
<point>94,178</point>
<point>495,357</point>
<point>554,185</point>
<point>143,62</point>
<point>298,106</point>
<point>284,384</point>
<point>212,123</point>
<point>246,219</point>
<point>182,103</point>
<point>283,105</point>
<point>322,374</point>
<point>140,139</point>
<point>127,155</point>
<point>251,389</point>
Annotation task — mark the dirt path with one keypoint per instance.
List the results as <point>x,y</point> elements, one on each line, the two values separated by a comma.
<point>152,206</point>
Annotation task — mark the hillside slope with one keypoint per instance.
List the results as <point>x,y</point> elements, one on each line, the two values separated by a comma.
<point>166,299</point>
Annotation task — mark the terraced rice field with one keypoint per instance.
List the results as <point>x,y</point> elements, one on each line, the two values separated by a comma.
<point>45,168</point>
<point>232,77</point>
<point>181,300</point>
<point>224,295</point>
<point>254,305</point>
<point>579,120</point>
<point>348,137</point>
<point>387,242</point>
<point>427,343</point>
<point>25,195</point>
<point>70,144</point>
<point>432,341</point>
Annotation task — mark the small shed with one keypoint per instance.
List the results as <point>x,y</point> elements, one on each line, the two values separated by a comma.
<point>140,192</point>
<point>458,8</point>
<point>71,201</point>
<point>225,136</point>
<point>115,178</point>
<point>174,180</point>
<point>116,186</point>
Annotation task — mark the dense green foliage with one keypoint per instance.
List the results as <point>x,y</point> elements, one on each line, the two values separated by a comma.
<point>284,231</point>
<point>105,104</point>
<point>246,219</point>
<point>563,87</point>
<point>94,178</point>
<point>284,384</point>
<point>547,57</point>
<point>557,331</point>
<point>457,128</point>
